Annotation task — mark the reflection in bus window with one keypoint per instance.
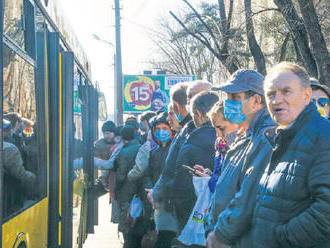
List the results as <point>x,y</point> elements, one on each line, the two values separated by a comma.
<point>18,89</point>
<point>13,22</point>
<point>25,179</point>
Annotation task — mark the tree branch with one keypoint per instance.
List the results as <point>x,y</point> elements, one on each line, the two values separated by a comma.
<point>205,24</point>
<point>205,41</point>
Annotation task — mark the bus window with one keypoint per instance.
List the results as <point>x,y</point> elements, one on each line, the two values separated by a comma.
<point>13,23</point>
<point>25,179</point>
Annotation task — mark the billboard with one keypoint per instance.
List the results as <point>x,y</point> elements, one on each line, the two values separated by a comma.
<point>149,92</point>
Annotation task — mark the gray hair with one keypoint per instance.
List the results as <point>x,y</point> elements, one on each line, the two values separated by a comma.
<point>197,86</point>
<point>299,71</point>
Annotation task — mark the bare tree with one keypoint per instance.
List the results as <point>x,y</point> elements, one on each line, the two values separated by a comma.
<point>255,49</point>
<point>182,54</point>
<point>297,28</point>
<point>208,37</point>
<point>318,44</point>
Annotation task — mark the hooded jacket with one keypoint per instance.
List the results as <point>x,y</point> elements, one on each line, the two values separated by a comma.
<point>293,201</point>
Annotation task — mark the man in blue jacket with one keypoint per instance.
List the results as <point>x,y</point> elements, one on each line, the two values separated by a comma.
<point>293,201</point>
<point>244,162</point>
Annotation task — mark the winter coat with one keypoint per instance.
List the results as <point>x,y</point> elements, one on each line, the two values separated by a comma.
<point>163,188</point>
<point>125,189</point>
<point>163,217</point>
<point>293,201</point>
<point>198,149</point>
<point>243,154</point>
<point>156,165</point>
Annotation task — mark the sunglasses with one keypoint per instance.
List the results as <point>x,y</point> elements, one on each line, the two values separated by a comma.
<point>322,101</point>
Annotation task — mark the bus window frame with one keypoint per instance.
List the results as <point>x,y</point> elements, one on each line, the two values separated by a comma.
<point>28,55</point>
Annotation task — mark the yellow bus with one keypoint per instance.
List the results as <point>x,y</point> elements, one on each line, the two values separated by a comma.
<point>45,80</point>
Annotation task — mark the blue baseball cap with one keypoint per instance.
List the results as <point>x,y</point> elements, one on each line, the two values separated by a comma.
<point>242,81</point>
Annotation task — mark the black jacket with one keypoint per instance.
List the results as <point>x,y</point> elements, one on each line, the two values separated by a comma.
<point>125,189</point>
<point>156,165</point>
<point>198,149</point>
<point>293,203</point>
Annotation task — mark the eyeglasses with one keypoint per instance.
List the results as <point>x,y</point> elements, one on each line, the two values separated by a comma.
<point>322,101</point>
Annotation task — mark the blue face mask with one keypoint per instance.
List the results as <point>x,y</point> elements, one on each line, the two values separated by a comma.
<point>142,128</point>
<point>233,111</point>
<point>178,117</point>
<point>163,135</point>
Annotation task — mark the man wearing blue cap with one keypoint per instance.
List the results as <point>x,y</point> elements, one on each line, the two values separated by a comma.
<point>244,163</point>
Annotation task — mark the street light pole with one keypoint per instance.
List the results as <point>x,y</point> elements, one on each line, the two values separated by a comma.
<point>119,77</point>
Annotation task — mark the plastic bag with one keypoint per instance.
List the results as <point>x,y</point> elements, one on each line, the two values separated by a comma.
<point>136,207</point>
<point>193,233</point>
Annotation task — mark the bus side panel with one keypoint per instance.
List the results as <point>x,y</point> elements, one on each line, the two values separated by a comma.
<point>33,234</point>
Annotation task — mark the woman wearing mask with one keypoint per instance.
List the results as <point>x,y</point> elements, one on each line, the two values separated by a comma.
<point>166,224</point>
<point>321,97</point>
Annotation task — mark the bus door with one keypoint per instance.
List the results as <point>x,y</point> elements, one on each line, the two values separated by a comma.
<point>67,144</point>
<point>89,111</point>
<point>79,185</point>
<point>94,110</point>
<point>1,94</point>
<point>61,140</point>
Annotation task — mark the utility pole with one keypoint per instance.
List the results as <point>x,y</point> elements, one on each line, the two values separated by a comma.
<point>118,67</point>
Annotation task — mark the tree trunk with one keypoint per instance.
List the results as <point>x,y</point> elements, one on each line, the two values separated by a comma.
<point>318,44</point>
<point>284,47</point>
<point>299,33</point>
<point>256,52</point>
<point>223,18</point>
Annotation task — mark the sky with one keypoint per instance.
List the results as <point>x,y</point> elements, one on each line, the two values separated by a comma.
<point>139,20</point>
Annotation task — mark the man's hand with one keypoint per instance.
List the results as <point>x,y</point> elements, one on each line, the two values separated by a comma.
<point>213,242</point>
<point>154,204</point>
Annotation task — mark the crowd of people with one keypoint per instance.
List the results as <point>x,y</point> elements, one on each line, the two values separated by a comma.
<point>263,151</point>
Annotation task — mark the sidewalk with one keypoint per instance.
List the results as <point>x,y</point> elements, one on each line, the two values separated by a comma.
<point>106,235</point>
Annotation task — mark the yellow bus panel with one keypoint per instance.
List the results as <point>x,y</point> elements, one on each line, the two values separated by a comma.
<point>30,226</point>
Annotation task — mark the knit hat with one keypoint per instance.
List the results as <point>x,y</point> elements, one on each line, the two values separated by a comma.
<point>127,132</point>
<point>109,126</point>
<point>132,122</point>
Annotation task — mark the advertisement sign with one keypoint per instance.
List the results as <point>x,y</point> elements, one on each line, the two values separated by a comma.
<point>149,92</point>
